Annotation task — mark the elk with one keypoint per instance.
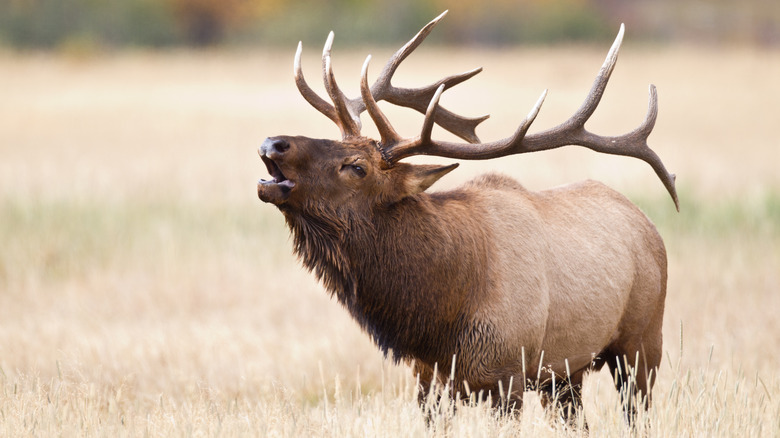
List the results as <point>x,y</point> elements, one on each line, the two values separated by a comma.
<point>491,283</point>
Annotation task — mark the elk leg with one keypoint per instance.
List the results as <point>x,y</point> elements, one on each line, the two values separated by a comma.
<point>650,355</point>
<point>424,375</point>
<point>626,380</point>
<point>634,368</point>
<point>566,397</point>
<point>510,404</point>
<point>429,397</point>
<point>634,378</point>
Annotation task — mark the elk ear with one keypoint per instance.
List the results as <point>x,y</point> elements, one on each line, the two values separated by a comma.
<point>422,176</point>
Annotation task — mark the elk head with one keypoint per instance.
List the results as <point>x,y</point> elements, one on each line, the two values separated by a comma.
<point>350,172</point>
<point>305,171</point>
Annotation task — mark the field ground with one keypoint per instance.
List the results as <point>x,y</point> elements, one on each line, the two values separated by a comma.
<point>144,290</point>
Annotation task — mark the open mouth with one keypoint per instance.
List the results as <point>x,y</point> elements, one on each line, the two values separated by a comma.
<point>276,174</point>
<point>277,189</point>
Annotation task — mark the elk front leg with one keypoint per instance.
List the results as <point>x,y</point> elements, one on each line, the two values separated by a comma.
<point>565,395</point>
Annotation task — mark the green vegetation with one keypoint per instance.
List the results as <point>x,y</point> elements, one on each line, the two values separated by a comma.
<point>90,24</point>
<point>69,23</point>
<point>56,239</point>
<point>755,216</point>
<point>53,240</point>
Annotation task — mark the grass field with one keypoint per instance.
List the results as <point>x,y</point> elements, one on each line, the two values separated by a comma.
<point>145,290</point>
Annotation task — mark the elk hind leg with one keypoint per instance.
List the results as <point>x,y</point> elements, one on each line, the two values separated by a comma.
<point>634,373</point>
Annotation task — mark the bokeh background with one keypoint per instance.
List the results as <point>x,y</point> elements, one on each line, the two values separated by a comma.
<point>145,290</point>
<point>95,24</point>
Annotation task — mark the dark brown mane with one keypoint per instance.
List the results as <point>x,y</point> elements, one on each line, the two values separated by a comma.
<point>374,265</point>
<point>317,241</point>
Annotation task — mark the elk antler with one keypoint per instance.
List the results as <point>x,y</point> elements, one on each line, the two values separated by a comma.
<point>570,132</point>
<point>345,112</point>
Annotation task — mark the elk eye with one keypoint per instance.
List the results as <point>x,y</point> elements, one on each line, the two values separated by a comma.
<point>359,171</point>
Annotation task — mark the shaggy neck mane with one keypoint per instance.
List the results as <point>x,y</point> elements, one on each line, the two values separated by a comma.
<point>317,241</point>
<point>399,273</point>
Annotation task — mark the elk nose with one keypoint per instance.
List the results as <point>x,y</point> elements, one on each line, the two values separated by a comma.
<point>274,145</point>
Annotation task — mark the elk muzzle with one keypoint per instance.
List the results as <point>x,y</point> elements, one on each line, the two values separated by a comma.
<point>278,188</point>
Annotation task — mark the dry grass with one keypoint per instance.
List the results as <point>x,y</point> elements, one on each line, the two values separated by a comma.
<point>144,290</point>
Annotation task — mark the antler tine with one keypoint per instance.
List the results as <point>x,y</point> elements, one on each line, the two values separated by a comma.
<point>418,98</point>
<point>482,151</point>
<point>339,113</point>
<point>430,114</point>
<point>350,118</point>
<point>314,100</point>
<point>345,112</point>
<point>634,144</point>
<point>390,138</point>
<point>599,84</point>
<point>393,143</point>
<point>667,178</point>
<point>407,49</point>
<point>386,131</point>
<point>570,132</point>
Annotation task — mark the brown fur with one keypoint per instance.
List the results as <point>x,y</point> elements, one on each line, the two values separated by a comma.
<point>573,277</point>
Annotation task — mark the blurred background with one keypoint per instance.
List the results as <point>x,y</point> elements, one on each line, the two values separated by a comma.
<point>96,24</point>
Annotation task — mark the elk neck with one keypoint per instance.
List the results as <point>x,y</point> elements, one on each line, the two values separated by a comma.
<point>408,272</point>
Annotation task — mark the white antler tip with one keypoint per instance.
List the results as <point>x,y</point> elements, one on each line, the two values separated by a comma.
<point>364,70</point>
<point>328,44</point>
<point>535,110</point>
<point>609,63</point>
<point>434,101</point>
<point>297,60</point>
<point>619,37</point>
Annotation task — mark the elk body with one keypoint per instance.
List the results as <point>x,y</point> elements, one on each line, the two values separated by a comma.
<point>513,285</point>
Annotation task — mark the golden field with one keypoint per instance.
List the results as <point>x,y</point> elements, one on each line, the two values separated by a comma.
<point>145,290</point>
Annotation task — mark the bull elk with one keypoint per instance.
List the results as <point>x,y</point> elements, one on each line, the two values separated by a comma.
<point>490,282</point>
